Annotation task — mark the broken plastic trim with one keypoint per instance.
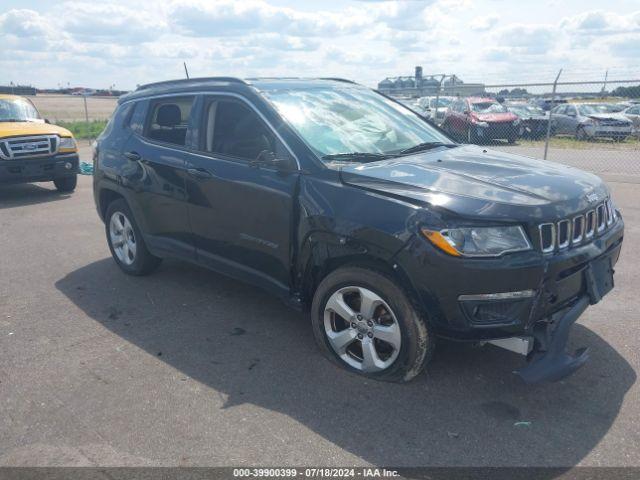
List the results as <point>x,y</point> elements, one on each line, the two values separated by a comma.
<point>555,363</point>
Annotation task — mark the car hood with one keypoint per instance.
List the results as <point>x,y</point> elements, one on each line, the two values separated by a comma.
<point>475,181</point>
<point>609,116</point>
<point>18,129</point>
<point>534,117</point>
<point>496,117</point>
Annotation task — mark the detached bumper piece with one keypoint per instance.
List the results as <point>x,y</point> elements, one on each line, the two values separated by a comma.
<point>549,360</point>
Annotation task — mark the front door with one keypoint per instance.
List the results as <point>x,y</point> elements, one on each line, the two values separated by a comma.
<point>241,207</point>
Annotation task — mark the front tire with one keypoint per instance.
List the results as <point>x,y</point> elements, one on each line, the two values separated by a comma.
<point>66,184</point>
<point>125,241</point>
<point>581,134</point>
<point>364,322</point>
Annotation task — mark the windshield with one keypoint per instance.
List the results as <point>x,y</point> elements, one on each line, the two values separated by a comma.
<point>17,110</point>
<point>345,120</point>
<point>488,107</point>
<point>526,110</point>
<point>591,109</point>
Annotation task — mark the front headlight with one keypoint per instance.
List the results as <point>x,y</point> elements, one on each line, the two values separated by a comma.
<point>479,241</point>
<point>67,143</point>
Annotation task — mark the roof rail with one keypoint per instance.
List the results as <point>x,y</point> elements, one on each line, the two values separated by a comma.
<point>190,80</point>
<point>338,79</point>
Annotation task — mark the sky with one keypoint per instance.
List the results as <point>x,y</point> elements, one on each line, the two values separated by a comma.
<point>118,43</point>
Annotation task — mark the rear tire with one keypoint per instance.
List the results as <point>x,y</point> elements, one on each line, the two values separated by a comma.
<point>66,184</point>
<point>126,242</point>
<point>385,337</point>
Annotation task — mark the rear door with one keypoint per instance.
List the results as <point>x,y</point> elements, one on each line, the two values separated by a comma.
<point>241,208</point>
<point>156,174</point>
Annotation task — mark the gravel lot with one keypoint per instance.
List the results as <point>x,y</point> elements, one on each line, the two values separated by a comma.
<point>186,367</point>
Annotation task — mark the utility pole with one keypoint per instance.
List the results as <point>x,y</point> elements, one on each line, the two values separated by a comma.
<point>186,72</point>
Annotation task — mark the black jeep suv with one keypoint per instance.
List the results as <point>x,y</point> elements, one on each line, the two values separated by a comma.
<point>342,201</point>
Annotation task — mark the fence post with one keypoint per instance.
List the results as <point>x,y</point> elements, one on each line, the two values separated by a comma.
<point>86,111</point>
<point>435,115</point>
<point>553,96</point>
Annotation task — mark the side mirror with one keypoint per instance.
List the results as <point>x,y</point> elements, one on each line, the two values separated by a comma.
<point>269,159</point>
<point>467,112</point>
<point>46,120</point>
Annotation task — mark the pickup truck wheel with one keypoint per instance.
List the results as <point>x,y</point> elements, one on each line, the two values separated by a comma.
<point>125,241</point>
<point>365,323</point>
<point>66,184</point>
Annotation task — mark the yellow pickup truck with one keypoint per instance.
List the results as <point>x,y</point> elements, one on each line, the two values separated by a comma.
<point>33,150</point>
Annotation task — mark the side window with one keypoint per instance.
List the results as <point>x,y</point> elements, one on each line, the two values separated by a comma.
<point>136,117</point>
<point>168,120</point>
<point>120,116</point>
<point>233,129</point>
<point>560,109</point>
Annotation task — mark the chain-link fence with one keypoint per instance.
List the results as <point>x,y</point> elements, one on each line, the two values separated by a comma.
<point>591,125</point>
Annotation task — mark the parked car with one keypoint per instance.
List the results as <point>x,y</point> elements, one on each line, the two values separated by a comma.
<point>547,104</point>
<point>33,150</point>
<point>348,205</point>
<point>533,120</point>
<point>434,108</point>
<point>588,121</point>
<point>633,114</point>
<point>477,119</point>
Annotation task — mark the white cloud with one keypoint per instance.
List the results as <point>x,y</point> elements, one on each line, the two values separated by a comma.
<point>486,22</point>
<point>25,23</point>
<point>599,22</point>
<point>229,17</point>
<point>527,39</point>
<point>104,22</point>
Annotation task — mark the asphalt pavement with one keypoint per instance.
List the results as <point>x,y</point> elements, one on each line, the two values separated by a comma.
<point>187,367</point>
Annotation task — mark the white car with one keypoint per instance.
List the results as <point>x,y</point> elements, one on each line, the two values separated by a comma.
<point>432,110</point>
<point>633,114</point>
<point>589,120</point>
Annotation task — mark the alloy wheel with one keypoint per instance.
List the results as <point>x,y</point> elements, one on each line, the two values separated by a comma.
<point>123,239</point>
<point>362,329</point>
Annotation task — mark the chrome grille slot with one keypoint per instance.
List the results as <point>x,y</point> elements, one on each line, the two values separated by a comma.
<point>610,212</point>
<point>578,229</point>
<point>601,218</point>
<point>547,237</point>
<point>33,146</point>
<point>564,227</point>
<point>590,226</point>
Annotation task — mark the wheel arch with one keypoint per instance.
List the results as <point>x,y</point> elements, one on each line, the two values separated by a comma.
<point>105,198</point>
<point>320,266</point>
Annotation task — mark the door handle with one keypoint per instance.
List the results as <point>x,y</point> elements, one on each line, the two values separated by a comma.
<point>133,156</point>
<point>199,173</point>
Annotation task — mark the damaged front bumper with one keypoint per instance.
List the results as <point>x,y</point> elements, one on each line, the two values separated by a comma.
<point>549,360</point>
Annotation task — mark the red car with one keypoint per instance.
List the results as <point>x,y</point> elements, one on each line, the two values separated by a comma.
<point>477,119</point>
